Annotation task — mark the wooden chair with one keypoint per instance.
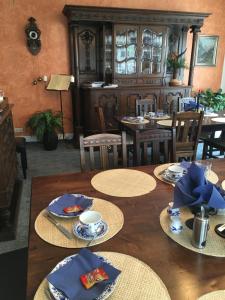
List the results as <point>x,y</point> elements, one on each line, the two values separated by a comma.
<point>101,119</point>
<point>212,144</point>
<point>108,145</point>
<point>188,128</point>
<point>144,106</point>
<point>171,103</point>
<point>103,127</point>
<point>162,143</point>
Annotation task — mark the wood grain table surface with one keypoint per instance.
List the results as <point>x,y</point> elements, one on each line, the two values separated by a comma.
<point>186,274</point>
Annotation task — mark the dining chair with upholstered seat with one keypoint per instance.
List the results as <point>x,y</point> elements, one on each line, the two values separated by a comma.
<point>188,128</point>
<point>108,146</point>
<point>158,144</point>
<point>144,106</point>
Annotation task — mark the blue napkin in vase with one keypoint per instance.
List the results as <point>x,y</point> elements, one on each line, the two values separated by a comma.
<point>190,106</point>
<point>67,278</point>
<point>193,189</point>
<point>69,200</point>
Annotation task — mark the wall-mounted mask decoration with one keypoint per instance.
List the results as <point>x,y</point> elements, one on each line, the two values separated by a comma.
<point>33,36</point>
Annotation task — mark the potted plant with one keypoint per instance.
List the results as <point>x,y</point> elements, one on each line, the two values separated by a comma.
<point>212,100</point>
<point>44,125</point>
<point>176,62</point>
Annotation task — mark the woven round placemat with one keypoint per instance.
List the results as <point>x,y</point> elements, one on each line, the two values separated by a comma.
<point>210,114</point>
<point>211,176</point>
<point>159,118</point>
<point>223,185</point>
<point>136,281</point>
<point>219,120</point>
<point>215,243</point>
<point>216,295</point>
<point>123,183</point>
<point>136,123</point>
<point>167,123</point>
<point>111,214</point>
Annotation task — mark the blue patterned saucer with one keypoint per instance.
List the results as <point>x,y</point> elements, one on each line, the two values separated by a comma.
<point>81,232</point>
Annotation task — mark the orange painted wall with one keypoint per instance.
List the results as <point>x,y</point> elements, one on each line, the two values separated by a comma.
<point>18,67</point>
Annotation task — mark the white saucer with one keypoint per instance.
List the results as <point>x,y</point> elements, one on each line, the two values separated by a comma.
<point>80,232</point>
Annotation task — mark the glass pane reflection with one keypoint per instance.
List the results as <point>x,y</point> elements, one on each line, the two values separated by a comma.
<point>147,37</point>
<point>131,51</point>
<point>146,67</point>
<point>121,54</point>
<point>146,53</point>
<point>132,37</point>
<point>121,39</point>
<point>121,68</point>
<point>131,66</point>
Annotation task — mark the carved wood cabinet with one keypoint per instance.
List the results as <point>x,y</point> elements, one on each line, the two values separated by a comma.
<point>127,47</point>
<point>8,163</point>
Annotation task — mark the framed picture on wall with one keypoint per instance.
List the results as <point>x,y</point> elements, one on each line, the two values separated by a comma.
<point>206,50</point>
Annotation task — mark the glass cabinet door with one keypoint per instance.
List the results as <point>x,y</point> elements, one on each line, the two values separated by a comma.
<point>108,48</point>
<point>151,51</point>
<point>126,38</point>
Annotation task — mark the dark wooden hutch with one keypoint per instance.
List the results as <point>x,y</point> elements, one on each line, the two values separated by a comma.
<point>129,48</point>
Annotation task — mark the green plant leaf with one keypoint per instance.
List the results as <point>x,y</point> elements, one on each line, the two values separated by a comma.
<point>40,122</point>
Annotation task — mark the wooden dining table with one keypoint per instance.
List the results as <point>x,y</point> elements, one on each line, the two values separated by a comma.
<point>208,126</point>
<point>186,274</point>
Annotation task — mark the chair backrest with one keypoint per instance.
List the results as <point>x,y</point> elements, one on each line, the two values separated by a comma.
<point>108,146</point>
<point>100,118</point>
<point>144,106</point>
<point>188,128</point>
<point>162,144</point>
<point>171,103</point>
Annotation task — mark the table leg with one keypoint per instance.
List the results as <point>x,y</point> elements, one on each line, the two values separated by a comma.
<point>137,153</point>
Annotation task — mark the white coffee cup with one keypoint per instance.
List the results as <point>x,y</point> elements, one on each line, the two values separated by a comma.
<point>175,171</point>
<point>140,118</point>
<point>90,220</point>
<point>151,114</point>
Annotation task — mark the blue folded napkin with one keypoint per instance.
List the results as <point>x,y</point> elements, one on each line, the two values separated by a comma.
<point>69,200</point>
<point>192,105</point>
<point>193,189</point>
<point>67,278</point>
